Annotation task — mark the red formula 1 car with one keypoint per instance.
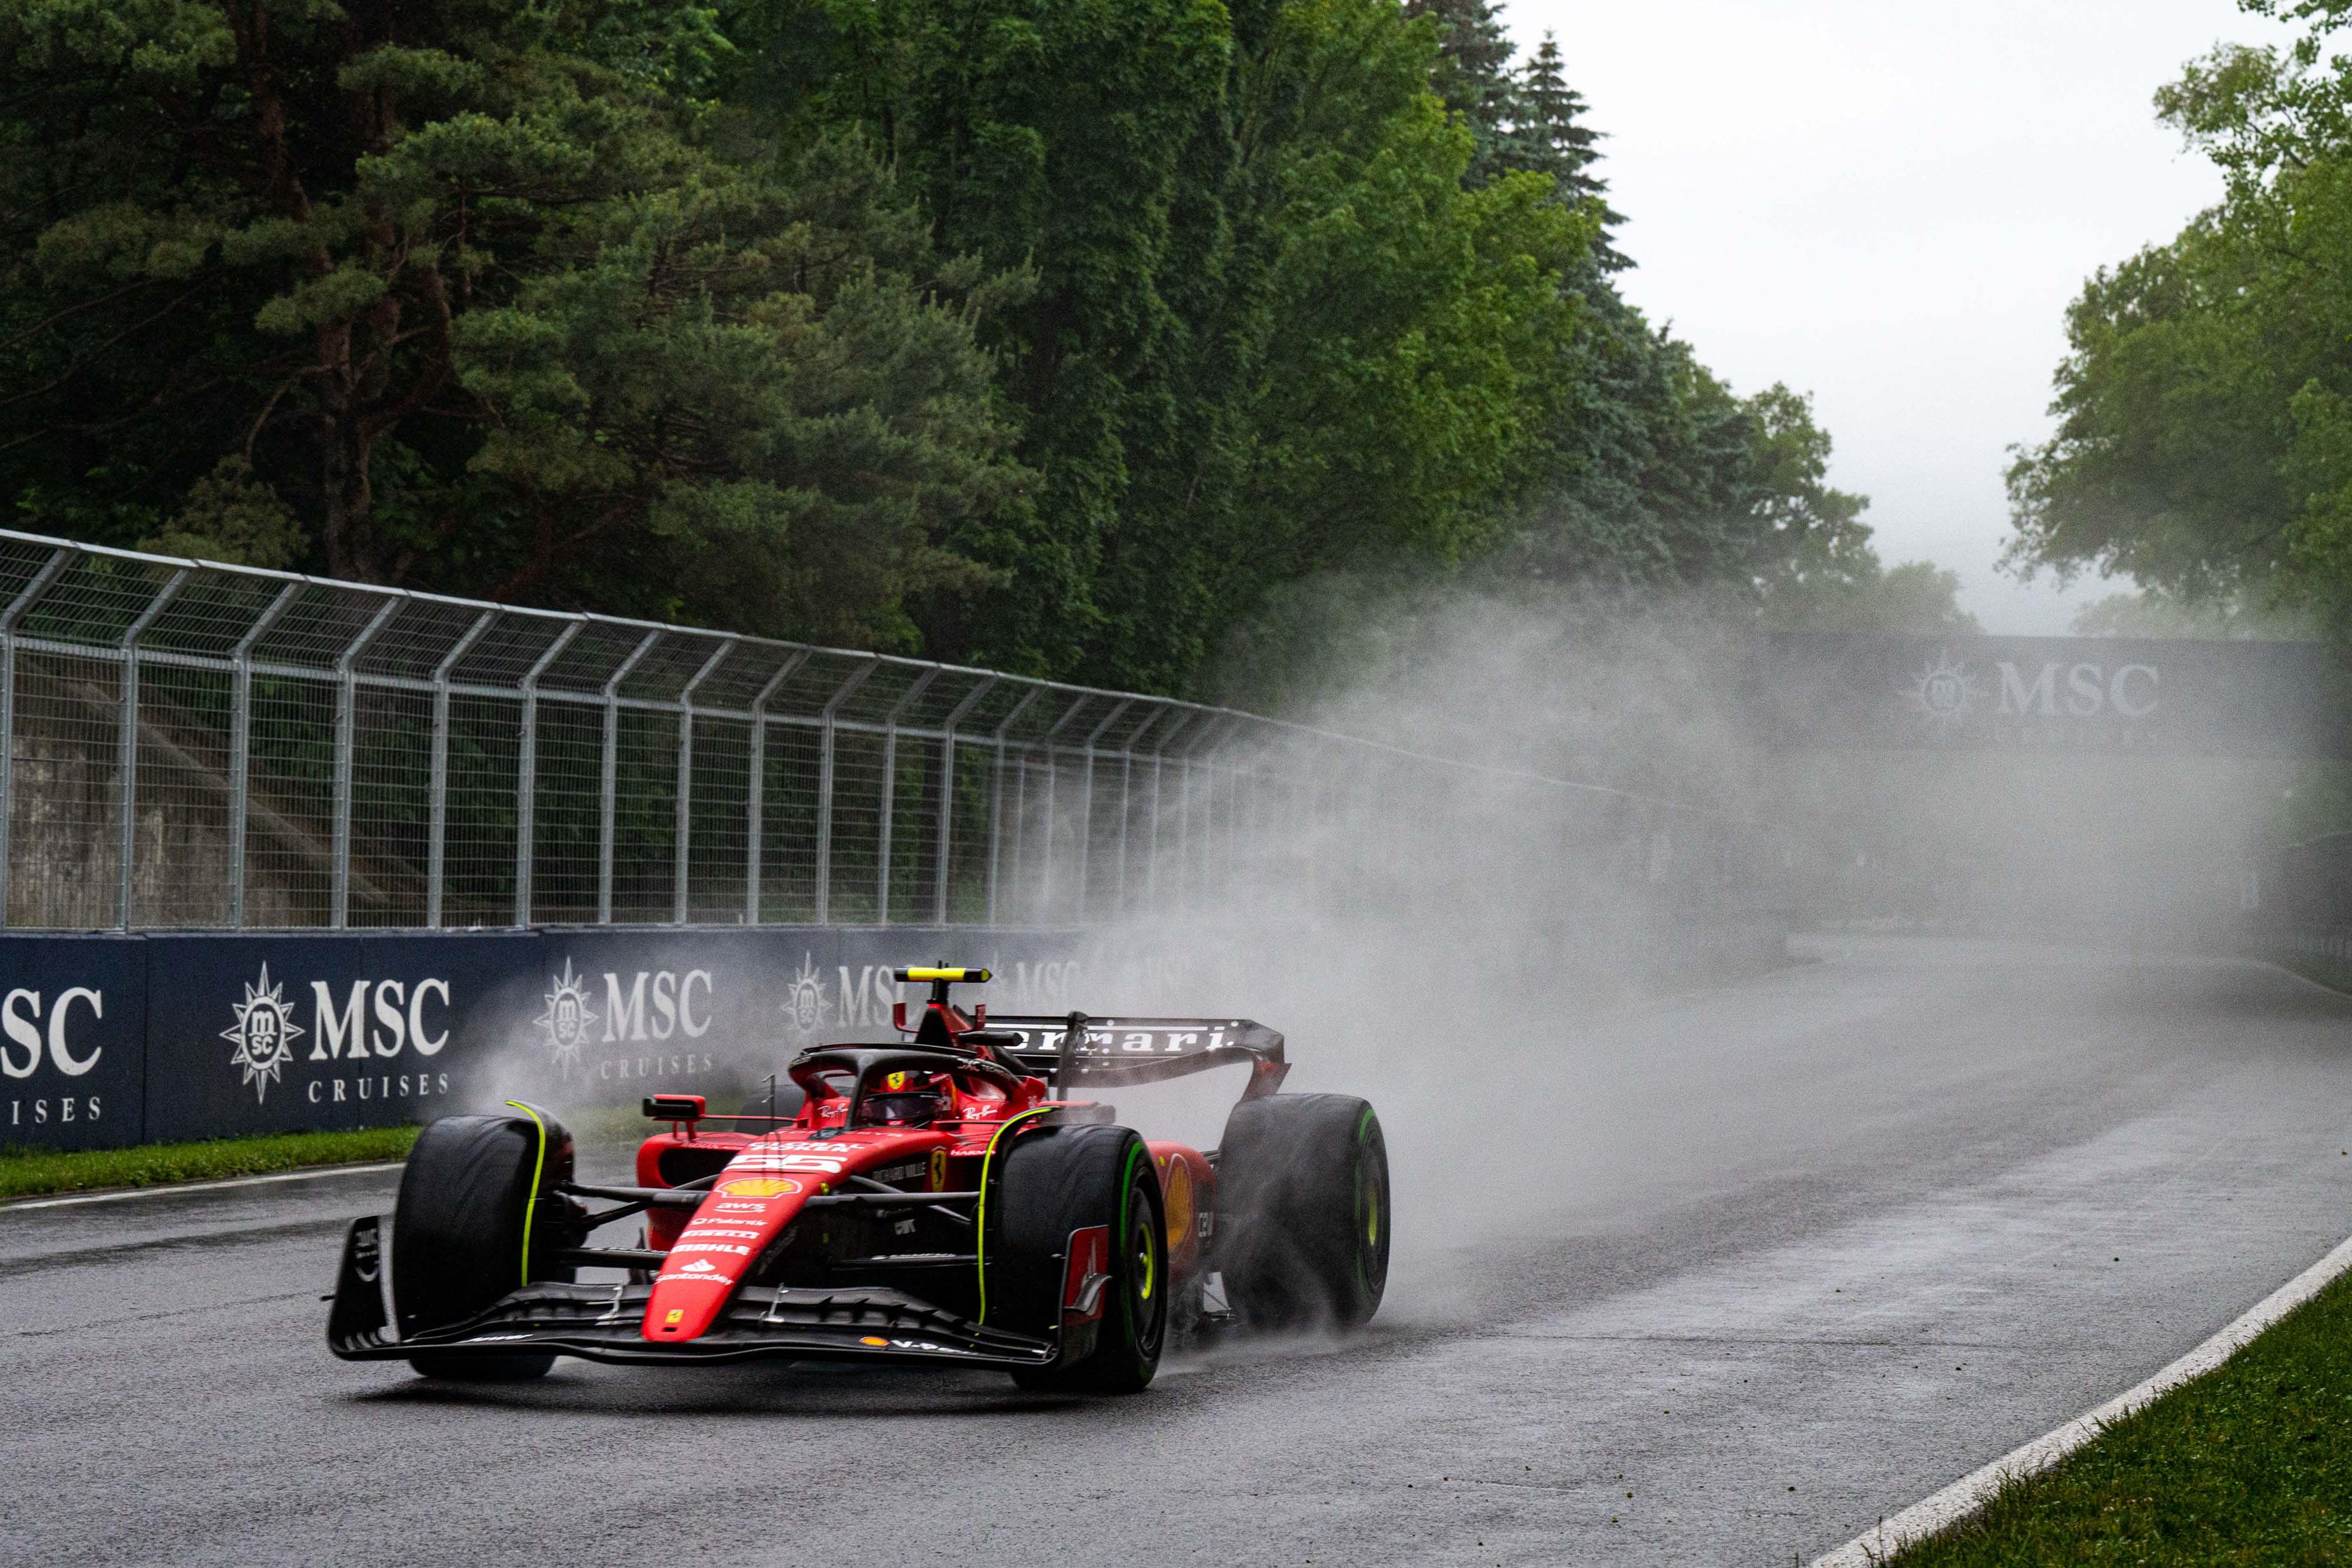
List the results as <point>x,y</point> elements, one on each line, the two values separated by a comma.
<point>955,1196</point>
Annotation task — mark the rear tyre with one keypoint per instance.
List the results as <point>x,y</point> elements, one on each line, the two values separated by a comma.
<point>1303,1211</point>
<point>474,1188</point>
<point>1053,1182</point>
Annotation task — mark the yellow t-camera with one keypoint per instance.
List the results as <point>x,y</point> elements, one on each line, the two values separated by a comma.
<point>948,976</point>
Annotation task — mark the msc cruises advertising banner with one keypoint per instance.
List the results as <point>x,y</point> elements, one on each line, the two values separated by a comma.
<point>108,1040</point>
<point>2158,697</point>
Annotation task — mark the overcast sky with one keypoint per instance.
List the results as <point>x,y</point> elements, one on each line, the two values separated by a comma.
<point>1890,206</point>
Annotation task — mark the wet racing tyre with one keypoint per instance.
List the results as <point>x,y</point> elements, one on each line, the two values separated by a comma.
<point>1303,1211</point>
<point>1050,1182</point>
<point>459,1227</point>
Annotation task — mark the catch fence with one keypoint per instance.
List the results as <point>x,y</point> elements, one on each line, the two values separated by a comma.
<point>195,746</point>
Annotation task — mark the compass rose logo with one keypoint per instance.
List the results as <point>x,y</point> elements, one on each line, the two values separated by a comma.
<point>263,1034</point>
<point>1944,695</point>
<point>805,997</point>
<point>567,1020</point>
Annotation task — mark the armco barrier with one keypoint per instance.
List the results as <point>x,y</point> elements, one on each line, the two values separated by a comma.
<point>110,1040</point>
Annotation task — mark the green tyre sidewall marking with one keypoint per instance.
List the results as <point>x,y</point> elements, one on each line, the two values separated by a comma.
<point>980,1223</point>
<point>1126,1197</point>
<point>538,1168</point>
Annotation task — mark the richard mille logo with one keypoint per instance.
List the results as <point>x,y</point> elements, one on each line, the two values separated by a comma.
<point>568,1018</point>
<point>263,1034</point>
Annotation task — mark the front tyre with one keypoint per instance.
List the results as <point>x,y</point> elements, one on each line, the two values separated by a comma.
<point>1057,1181</point>
<point>1303,1211</point>
<point>476,1219</point>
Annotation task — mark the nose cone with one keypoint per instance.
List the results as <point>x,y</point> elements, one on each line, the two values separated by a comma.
<point>735,1223</point>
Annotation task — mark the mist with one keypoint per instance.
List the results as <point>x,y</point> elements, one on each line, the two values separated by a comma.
<point>1533,936</point>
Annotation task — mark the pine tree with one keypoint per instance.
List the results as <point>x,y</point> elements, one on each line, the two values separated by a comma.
<point>1547,134</point>
<point>1474,76</point>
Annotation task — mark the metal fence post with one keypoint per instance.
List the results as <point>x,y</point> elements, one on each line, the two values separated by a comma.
<point>346,716</point>
<point>1053,801</point>
<point>127,745</point>
<point>948,790</point>
<point>1158,809</point>
<point>526,771</point>
<point>16,613</point>
<point>1126,799</point>
<point>890,794</point>
<point>686,779</point>
<point>610,778</point>
<point>825,791</point>
<point>240,742</point>
<point>755,812</point>
<point>996,797</point>
<point>1087,800</point>
<point>1151,840</point>
<point>438,831</point>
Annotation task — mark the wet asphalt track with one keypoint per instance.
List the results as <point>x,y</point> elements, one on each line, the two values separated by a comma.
<point>1821,1243</point>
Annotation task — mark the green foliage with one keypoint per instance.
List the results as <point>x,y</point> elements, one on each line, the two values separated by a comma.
<point>27,1171</point>
<point>2247,1464</point>
<point>1063,337</point>
<point>2205,442</point>
<point>756,380</point>
<point>232,517</point>
<point>2152,612</point>
<point>457,294</point>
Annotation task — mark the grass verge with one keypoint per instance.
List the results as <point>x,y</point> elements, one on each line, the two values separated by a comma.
<point>2318,968</point>
<point>27,1171</point>
<point>2250,1464</point>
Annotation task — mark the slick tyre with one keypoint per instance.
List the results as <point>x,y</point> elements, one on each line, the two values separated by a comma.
<point>1303,1211</point>
<point>477,1192</point>
<point>1056,1181</point>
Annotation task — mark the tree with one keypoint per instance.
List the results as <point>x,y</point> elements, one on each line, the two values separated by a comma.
<point>1064,336</point>
<point>1473,77</point>
<point>2204,445</point>
<point>1548,136</point>
<point>1273,325</point>
<point>356,286</point>
<point>756,382</point>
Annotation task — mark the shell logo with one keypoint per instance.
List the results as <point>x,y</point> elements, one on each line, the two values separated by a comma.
<point>1178,1201</point>
<point>759,1187</point>
<point>877,1343</point>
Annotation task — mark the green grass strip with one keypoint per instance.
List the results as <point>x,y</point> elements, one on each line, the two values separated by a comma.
<point>27,1171</point>
<point>2318,968</point>
<point>2250,1464</point>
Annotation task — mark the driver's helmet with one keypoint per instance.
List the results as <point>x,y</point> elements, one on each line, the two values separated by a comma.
<point>907,1100</point>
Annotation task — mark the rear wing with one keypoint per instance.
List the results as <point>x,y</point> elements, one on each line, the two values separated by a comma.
<point>1106,1053</point>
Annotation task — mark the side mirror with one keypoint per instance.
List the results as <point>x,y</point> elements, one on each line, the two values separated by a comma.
<point>674,1107</point>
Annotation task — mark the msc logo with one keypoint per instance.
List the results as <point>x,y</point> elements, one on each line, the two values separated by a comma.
<point>26,1031</point>
<point>568,1017</point>
<point>2131,692</point>
<point>355,1028</point>
<point>1944,695</point>
<point>804,999</point>
<point>654,1004</point>
<point>263,1034</point>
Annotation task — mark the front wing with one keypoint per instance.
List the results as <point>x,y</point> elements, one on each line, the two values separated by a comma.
<point>600,1322</point>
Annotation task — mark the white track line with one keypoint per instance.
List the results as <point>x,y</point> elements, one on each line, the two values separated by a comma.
<point>175,1189</point>
<point>1971,1492</point>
